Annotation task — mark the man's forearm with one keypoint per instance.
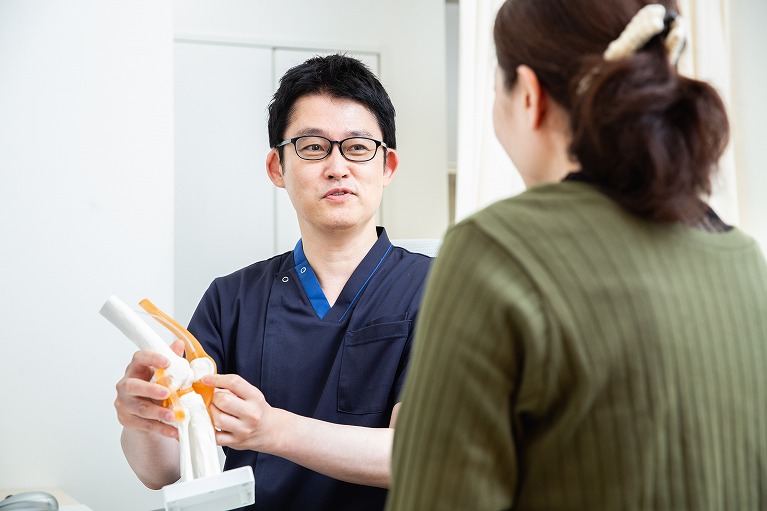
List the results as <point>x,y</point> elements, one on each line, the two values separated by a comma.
<point>154,458</point>
<point>349,453</point>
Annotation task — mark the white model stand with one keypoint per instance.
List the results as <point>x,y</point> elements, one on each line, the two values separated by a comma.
<point>228,490</point>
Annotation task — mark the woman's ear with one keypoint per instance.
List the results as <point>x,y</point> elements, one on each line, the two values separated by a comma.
<point>533,95</point>
<point>274,168</point>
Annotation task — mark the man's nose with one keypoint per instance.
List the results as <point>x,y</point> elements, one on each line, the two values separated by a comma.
<point>336,166</point>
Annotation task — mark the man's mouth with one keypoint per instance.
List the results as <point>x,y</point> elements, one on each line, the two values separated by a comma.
<point>337,192</point>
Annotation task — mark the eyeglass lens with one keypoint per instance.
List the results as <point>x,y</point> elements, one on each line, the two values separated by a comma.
<point>317,148</point>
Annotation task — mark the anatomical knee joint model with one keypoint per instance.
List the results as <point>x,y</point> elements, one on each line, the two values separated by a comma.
<point>189,397</point>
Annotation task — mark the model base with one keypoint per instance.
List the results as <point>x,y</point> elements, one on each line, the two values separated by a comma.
<point>228,490</point>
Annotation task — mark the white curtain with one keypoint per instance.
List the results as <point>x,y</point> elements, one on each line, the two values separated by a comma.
<point>485,174</point>
<point>706,58</point>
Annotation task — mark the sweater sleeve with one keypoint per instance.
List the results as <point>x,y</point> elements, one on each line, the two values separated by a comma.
<point>454,443</point>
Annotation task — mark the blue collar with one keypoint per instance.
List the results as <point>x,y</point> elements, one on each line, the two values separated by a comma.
<point>354,286</point>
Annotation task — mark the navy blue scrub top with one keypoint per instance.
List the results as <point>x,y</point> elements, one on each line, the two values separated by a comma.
<point>271,324</point>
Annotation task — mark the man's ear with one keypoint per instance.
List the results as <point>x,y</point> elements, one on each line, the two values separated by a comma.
<point>390,168</point>
<point>274,168</point>
<point>534,96</point>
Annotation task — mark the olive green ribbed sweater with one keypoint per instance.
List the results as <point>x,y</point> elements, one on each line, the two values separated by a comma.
<point>570,355</point>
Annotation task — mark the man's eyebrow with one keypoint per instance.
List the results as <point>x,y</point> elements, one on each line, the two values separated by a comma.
<point>360,133</point>
<point>320,132</point>
<point>310,131</point>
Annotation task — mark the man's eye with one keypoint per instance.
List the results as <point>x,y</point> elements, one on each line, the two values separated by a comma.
<point>313,148</point>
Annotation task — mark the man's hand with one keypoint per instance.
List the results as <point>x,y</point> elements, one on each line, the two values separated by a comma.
<point>138,402</point>
<point>245,421</point>
<point>241,415</point>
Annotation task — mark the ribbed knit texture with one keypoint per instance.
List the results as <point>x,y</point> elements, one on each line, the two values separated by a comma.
<point>570,355</point>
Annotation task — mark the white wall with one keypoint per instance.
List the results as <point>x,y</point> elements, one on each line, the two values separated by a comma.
<point>86,210</point>
<point>749,113</point>
<point>452,25</point>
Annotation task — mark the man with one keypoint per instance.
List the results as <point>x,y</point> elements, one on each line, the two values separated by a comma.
<point>312,345</point>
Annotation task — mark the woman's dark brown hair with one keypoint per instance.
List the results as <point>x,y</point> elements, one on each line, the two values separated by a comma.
<point>647,136</point>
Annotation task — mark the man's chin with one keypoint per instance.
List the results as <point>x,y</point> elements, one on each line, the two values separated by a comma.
<point>344,223</point>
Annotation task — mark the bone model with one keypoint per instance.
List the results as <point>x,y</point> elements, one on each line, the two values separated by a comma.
<point>189,398</point>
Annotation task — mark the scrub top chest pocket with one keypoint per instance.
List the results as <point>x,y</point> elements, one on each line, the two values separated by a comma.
<point>369,363</point>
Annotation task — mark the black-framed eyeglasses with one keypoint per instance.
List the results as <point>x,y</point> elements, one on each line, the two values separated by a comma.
<point>314,147</point>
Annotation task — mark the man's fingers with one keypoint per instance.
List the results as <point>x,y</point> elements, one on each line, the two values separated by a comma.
<point>143,363</point>
<point>227,404</point>
<point>164,429</point>
<point>151,426</point>
<point>141,409</point>
<point>224,438</point>
<point>144,414</point>
<point>138,398</point>
<point>135,387</point>
<point>178,347</point>
<point>231,382</point>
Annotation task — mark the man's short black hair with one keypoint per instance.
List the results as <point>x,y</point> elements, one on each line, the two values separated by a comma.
<point>338,76</point>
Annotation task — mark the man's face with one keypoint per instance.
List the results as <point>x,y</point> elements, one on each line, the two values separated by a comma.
<point>333,194</point>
